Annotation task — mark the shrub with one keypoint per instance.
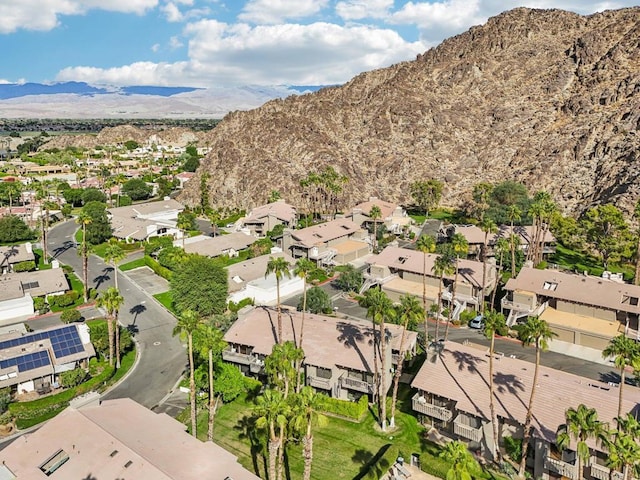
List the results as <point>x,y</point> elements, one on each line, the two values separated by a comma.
<point>5,399</point>
<point>40,305</point>
<point>236,307</point>
<point>158,269</point>
<point>70,315</point>
<point>24,266</point>
<point>344,408</point>
<point>157,243</point>
<point>63,300</point>
<point>72,378</point>
<point>513,447</point>
<point>466,316</point>
<point>13,229</point>
<point>350,280</point>
<point>318,301</point>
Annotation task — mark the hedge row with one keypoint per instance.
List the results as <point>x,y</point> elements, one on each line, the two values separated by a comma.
<point>158,269</point>
<point>345,408</point>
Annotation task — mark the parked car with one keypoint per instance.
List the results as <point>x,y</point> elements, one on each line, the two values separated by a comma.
<point>477,322</point>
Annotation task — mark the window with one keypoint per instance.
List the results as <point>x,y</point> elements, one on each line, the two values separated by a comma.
<point>323,372</point>
<point>550,286</point>
<point>54,462</point>
<point>628,300</point>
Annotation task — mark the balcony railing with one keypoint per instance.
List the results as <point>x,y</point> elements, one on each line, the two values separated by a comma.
<point>602,473</point>
<point>255,364</point>
<point>467,431</point>
<point>323,383</point>
<point>561,468</point>
<point>422,406</point>
<point>358,385</point>
<point>521,307</point>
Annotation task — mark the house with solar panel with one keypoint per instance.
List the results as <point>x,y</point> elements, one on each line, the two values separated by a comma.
<point>33,361</point>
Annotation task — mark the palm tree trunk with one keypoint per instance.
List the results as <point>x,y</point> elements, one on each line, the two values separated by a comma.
<point>396,377</point>
<point>528,418</point>
<point>453,302</point>
<point>424,300</point>
<point>192,388</point>
<point>212,404</point>
<point>495,287</point>
<point>110,333</point>
<point>376,370</point>
<point>492,407</point>
<point>279,310</point>
<point>85,263</point>
<point>375,235</point>
<point>116,334</point>
<point>115,273</point>
<point>622,374</point>
<point>307,453</point>
<point>439,307</point>
<point>484,271</point>
<point>273,455</point>
<point>513,252</point>
<point>280,472</point>
<point>304,308</point>
<point>383,379</point>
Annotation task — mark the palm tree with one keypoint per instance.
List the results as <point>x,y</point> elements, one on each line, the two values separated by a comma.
<point>535,331</point>
<point>624,453</point>
<point>425,244</point>
<point>374,214</point>
<point>515,215</point>
<point>581,424</point>
<point>463,465</point>
<point>111,301</point>
<point>280,366</point>
<point>488,226</point>
<point>410,313</point>
<point>443,265</point>
<point>460,246</point>
<point>493,322</point>
<point>302,269</point>
<point>502,246</point>
<point>114,254</point>
<point>210,343</point>
<point>184,223</point>
<point>379,309</point>
<point>188,322</point>
<point>280,268</point>
<point>271,409</point>
<point>84,219</point>
<point>626,353</point>
<point>307,408</point>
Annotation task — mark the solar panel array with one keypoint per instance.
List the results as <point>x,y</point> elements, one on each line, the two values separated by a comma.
<point>65,341</point>
<point>27,362</point>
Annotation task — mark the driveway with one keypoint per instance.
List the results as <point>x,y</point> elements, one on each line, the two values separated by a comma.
<point>148,281</point>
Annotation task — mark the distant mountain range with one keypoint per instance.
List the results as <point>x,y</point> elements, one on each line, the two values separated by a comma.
<point>81,100</point>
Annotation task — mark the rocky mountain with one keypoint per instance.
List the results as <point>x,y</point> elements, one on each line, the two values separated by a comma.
<point>545,97</point>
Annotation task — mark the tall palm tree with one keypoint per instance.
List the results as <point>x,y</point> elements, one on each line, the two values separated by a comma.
<point>409,312</point>
<point>280,366</point>
<point>188,322</point>
<point>624,453</point>
<point>210,343</point>
<point>84,219</point>
<point>442,265</point>
<point>302,269</point>
<point>379,310</point>
<point>463,465</point>
<point>460,247</point>
<point>425,244</point>
<point>535,331</point>
<point>307,408</point>
<point>111,301</point>
<point>581,424</point>
<point>489,227</point>
<point>114,254</point>
<point>626,353</point>
<point>493,322</point>
<point>280,268</point>
<point>374,214</point>
<point>271,409</point>
<point>502,246</point>
<point>515,215</point>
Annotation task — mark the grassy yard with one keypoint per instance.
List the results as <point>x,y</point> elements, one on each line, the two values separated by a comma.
<point>40,260</point>
<point>166,299</point>
<point>131,265</point>
<point>579,261</point>
<point>342,449</point>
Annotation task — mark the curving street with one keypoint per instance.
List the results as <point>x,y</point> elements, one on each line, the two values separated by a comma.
<point>161,358</point>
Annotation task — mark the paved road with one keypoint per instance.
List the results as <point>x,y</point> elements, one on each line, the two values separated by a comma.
<point>162,357</point>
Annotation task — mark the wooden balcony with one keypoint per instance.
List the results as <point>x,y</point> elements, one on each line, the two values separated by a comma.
<point>469,432</point>
<point>357,385</point>
<point>561,468</point>
<point>316,382</point>
<point>435,411</point>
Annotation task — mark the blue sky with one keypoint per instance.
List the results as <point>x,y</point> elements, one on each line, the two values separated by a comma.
<point>210,43</point>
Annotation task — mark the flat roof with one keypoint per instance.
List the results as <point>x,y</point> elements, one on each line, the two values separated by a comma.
<point>349,246</point>
<point>581,322</point>
<point>413,288</point>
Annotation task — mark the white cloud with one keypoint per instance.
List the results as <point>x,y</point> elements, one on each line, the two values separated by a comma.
<point>359,9</point>
<point>445,15</point>
<point>175,43</point>
<point>276,11</point>
<point>44,14</point>
<point>155,47</point>
<point>172,12</point>
<point>222,54</point>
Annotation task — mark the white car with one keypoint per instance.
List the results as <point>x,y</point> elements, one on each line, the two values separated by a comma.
<point>477,322</point>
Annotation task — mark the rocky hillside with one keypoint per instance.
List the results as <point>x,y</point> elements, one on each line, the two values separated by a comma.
<point>545,97</point>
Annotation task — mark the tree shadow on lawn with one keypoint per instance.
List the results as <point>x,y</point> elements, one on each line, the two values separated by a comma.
<point>373,466</point>
<point>246,428</point>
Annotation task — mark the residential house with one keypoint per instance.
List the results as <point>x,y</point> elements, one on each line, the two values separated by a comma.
<point>580,309</point>
<point>400,271</point>
<point>116,439</point>
<point>17,290</point>
<point>453,396</point>
<point>248,280</point>
<point>34,361</point>
<point>183,178</point>
<point>142,221</point>
<point>338,241</point>
<point>230,245</point>
<point>264,218</point>
<point>392,215</point>
<point>12,254</point>
<point>339,356</point>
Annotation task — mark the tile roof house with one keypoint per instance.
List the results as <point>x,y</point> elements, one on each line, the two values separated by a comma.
<point>116,439</point>
<point>339,356</point>
<point>247,280</point>
<point>144,220</point>
<point>580,309</point>
<point>229,245</point>
<point>336,241</point>
<point>264,218</point>
<point>12,254</point>
<point>453,396</point>
<point>393,216</point>
<point>400,271</point>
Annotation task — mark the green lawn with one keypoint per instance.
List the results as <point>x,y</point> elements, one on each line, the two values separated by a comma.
<point>40,260</point>
<point>132,264</point>
<point>166,299</point>
<point>579,261</point>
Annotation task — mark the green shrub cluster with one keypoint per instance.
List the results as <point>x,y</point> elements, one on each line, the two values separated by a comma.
<point>70,315</point>
<point>236,307</point>
<point>63,300</point>
<point>344,408</point>
<point>157,243</point>
<point>40,305</point>
<point>24,266</point>
<point>158,269</point>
